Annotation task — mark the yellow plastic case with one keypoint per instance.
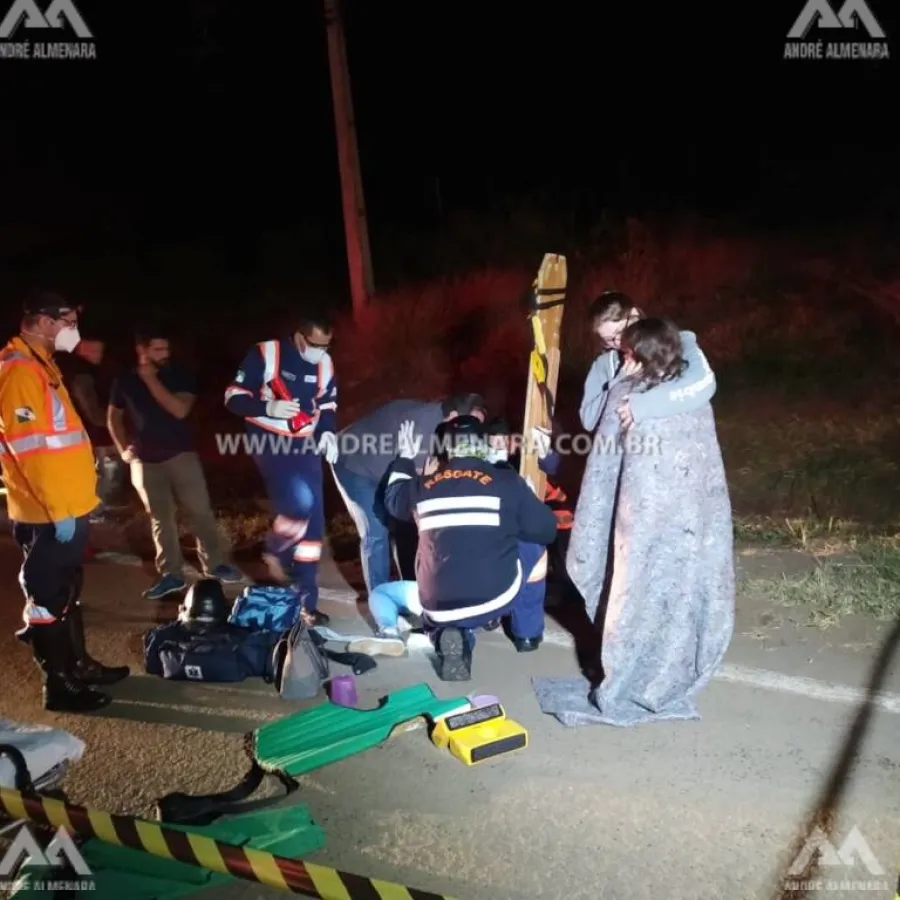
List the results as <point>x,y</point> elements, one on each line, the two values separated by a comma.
<point>479,734</point>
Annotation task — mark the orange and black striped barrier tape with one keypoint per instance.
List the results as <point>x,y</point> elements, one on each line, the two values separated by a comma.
<point>292,875</point>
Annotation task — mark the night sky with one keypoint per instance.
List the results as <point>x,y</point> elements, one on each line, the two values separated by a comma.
<point>201,115</point>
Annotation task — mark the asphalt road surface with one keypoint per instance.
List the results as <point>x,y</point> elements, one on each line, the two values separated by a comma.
<point>694,810</point>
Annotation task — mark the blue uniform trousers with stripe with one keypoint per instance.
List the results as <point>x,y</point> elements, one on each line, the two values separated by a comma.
<point>294,483</point>
<point>526,609</point>
<point>52,572</point>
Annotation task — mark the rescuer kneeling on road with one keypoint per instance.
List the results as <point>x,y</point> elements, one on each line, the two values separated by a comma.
<point>472,518</point>
<point>48,469</point>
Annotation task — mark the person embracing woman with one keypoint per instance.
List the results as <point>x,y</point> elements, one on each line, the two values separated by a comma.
<point>651,551</point>
<point>610,314</point>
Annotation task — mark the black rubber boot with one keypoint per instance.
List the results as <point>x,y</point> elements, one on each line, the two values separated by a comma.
<point>454,656</point>
<point>87,670</point>
<point>51,645</point>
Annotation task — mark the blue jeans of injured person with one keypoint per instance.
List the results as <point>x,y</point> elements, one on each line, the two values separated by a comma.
<point>525,610</point>
<point>394,599</point>
<point>360,494</point>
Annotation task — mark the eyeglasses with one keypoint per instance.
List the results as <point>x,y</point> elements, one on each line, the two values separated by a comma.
<point>316,344</point>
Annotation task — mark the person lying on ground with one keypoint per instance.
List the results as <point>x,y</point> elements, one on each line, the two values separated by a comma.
<point>367,451</point>
<point>610,314</point>
<point>472,518</point>
<point>392,606</point>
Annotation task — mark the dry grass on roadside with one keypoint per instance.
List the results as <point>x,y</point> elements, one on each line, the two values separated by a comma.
<point>864,580</point>
<point>819,466</point>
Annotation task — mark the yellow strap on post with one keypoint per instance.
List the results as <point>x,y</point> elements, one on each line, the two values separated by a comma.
<point>539,343</point>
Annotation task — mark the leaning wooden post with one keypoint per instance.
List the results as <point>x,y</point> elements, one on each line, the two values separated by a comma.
<point>547,301</point>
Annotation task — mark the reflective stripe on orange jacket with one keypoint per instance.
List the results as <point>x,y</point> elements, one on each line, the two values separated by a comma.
<point>553,493</point>
<point>557,499</point>
<point>565,519</point>
<point>46,456</point>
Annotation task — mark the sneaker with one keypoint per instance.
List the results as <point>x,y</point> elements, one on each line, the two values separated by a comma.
<point>168,584</point>
<point>228,575</point>
<point>385,643</point>
<point>454,656</point>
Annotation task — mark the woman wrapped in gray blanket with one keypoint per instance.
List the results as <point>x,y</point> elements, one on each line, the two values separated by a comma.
<point>651,548</point>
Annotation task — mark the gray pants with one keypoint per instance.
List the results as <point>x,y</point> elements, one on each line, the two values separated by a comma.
<point>164,488</point>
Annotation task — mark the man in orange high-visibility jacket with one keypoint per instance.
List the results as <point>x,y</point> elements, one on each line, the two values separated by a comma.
<point>48,470</point>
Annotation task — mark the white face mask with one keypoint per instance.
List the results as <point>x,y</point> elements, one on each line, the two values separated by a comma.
<point>313,354</point>
<point>67,339</point>
<point>497,456</point>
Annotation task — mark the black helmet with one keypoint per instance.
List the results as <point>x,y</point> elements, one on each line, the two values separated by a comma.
<point>497,427</point>
<point>499,438</point>
<point>461,436</point>
<point>39,302</point>
<point>204,604</point>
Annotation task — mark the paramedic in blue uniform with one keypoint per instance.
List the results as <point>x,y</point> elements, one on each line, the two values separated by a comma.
<point>505,451</point>
<point>472,518</point>
<point>360,477</point>
<point>285,390</point>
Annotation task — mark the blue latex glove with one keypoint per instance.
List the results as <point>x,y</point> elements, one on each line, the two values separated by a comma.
<point>65,530</point>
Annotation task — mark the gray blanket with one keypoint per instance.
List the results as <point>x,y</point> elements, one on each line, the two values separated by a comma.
<point>651,552</point>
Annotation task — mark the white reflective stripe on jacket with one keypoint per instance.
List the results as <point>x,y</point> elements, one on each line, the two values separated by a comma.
<point>271,354</point>
<point>33,442</point>
<point>64,434</point>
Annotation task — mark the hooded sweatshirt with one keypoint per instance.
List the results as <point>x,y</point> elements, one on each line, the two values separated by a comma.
<point>694,388</point>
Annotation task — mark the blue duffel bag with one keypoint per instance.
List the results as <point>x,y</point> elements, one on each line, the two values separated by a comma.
<point>262,608</point>
<point>217,653</point>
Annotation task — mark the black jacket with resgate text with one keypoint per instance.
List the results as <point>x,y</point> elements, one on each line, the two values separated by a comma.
<point>471,516</point>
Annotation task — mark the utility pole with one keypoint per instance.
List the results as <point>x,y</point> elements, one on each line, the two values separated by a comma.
<point>356,229</point>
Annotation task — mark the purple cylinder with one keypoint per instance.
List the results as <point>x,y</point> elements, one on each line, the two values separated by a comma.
<point>342,690</point>
<point>481,700</point>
